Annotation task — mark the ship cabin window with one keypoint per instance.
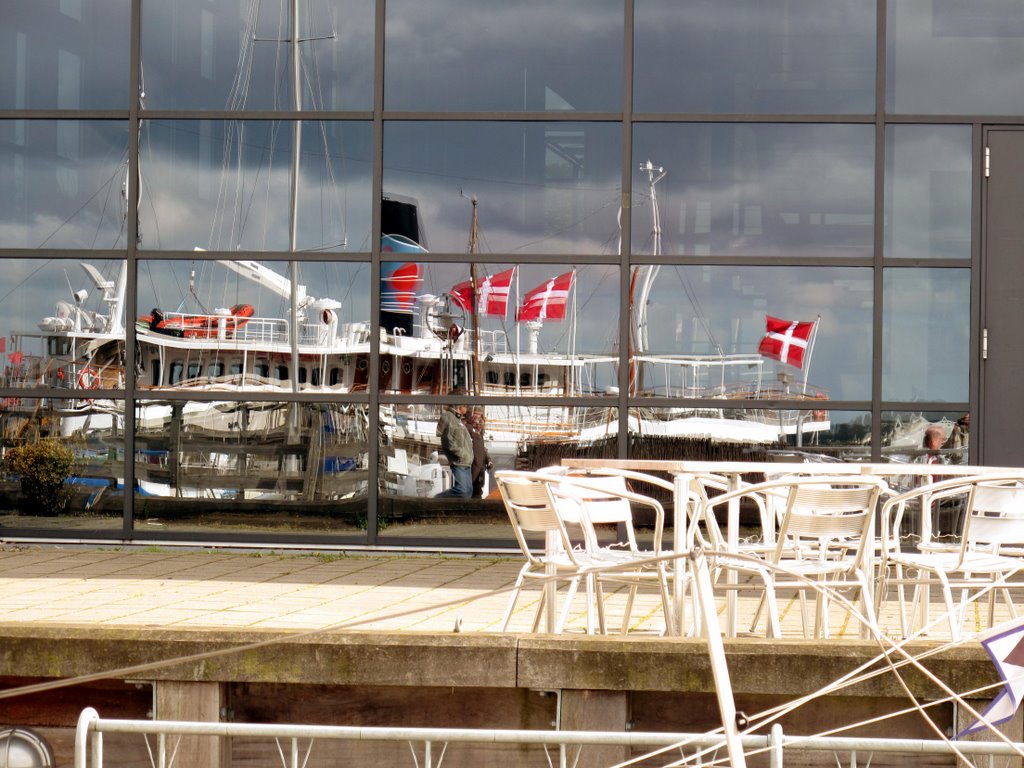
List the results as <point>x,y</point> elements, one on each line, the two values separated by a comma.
<point>316,377</point>
<point>302,374</point>
<point>215,369</point>
<point>57,345</point>
<point>176,370</point>
<point>154,366</point>
<point>492,377</point>
<point>194,370</point>
<point>281,373</point>
<point>262,369</point>
<point>236,369</point>
<point>525,379</point>
<point>541,378</point>
<point>335,377</point>
<point>510,379</point>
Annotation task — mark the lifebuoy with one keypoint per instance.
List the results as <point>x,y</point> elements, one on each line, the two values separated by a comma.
<point>88,379</point>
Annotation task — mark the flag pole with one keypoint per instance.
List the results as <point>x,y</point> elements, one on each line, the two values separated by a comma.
<point>518,340</point>
<point>810,351</point>
<point>572,338</point>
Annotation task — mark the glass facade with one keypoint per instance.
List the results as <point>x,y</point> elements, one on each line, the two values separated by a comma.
<point>257,280</point>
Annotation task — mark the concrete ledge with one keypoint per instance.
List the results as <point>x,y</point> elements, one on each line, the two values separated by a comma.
<point>476,660</point>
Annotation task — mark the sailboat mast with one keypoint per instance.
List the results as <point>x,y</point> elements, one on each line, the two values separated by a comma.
<point>293,220</point>
<point>474,302</point>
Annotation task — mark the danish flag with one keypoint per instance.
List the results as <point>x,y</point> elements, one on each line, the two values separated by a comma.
<point>547,301</point>
<point>786,340</point>
<point>492,292</point>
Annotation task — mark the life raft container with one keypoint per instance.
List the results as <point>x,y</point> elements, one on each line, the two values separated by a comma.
<point>199,326</point>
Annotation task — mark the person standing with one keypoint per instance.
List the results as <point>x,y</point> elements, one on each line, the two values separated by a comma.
<point>481,461</point>
<point>457,446</point>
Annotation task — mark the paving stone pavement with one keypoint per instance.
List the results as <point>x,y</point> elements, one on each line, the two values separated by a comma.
<point>223,588</point>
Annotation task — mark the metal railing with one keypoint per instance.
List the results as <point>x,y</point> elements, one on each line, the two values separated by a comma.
<point>433,742</point>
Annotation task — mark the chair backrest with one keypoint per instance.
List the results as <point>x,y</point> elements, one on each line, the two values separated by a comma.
<point>829,512</point>
<point>995,514</point>
<point>531,508</point>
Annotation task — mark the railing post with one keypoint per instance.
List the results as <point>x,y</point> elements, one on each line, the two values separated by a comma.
<point>85,721</point>
<point>775,746</point>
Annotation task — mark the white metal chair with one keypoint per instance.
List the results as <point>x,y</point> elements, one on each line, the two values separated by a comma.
<point>825,540</point>
<point>993,525</point>
<point>549,503</point>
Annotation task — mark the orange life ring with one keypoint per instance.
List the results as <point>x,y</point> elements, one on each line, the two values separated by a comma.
<point>88,379</point>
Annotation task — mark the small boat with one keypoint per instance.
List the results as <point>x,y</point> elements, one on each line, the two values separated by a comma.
<point>220,324</point>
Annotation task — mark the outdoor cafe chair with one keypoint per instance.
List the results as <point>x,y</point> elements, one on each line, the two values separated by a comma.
<point>551,503</point>
<point>987,556</point>
<point>825,540</point>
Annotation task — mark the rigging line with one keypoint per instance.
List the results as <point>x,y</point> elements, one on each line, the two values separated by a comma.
<point>80,208</point>
<point>567,228</point>
<point>245,72</point>
<point>278,74</point>
<point>103,212</point>
<point>240,62</point>
<point>697,308</point>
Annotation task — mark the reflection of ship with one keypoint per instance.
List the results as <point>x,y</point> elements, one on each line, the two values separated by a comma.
<point>426,347</point>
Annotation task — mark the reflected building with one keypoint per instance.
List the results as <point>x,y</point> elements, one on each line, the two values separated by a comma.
<point>778,237</point>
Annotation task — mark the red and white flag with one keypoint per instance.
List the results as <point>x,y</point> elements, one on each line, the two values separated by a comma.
<point>548,300</point>
<point>492,293</point>
<point>786,340</point>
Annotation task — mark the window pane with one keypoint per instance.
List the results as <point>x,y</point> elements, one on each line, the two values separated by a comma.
<point>74,56</point>
<point>225,326</point>
<point>541,187</point>
<point>226,185</point>
<point>240,467</point>
<point>755,56</point>
<point>701,328</point>
<point>926,333</point>
<point>749,434</point>
<point>949,57</point>
<point>491,55</point>
<point>928,191</point>
<point>762,190</point>
<point>62,327</point>
<point>62,183</point>
<point>415,468</point>
<point>561,346</point>
<point>62,463</point>
<point>906,436</point>
<point>201,55</point>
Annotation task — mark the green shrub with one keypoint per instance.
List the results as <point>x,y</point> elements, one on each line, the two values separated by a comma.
<point>43,467</point>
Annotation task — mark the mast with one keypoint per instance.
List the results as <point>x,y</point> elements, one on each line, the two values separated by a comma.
<point>293,220</point>
<point>474,301</point>
<point>638,302</point>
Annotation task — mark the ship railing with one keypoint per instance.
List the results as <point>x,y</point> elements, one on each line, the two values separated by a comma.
<point>292,745</point>
<point>263,330</point>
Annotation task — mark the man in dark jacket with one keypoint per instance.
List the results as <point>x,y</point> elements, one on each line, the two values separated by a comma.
<point>457,446</point>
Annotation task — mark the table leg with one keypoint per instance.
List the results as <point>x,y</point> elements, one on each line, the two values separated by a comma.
<point>732,537</point>
<point>552,545</point>
<point>680,544</point>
